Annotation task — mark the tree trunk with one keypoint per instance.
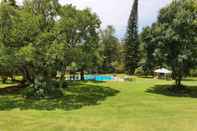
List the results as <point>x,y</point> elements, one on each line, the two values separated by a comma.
<point>62,78</point>
<point>4,79</point>
<point>178,83</point>
<point>27,76</point>
<point>131,71</point>
<point>82,74</point>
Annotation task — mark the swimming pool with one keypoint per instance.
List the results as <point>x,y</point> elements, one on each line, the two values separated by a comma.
<point>98,77</point>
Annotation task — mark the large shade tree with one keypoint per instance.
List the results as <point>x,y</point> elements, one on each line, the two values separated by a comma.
<point>175,39</point>
<point>149,42</point>
<point>42,37</point>
<point>78,31</point>
<point>7,57</point>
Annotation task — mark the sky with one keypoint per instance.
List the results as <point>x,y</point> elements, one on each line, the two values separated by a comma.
<point>116,12</point>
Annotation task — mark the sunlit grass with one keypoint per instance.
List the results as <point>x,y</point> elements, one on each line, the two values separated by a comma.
<point>7,84</point>
<point>100,106</point>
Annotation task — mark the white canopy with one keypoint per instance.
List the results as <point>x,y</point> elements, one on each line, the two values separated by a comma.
<point>163,70</point>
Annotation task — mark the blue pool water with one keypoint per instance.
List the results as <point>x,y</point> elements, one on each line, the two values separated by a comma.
<point>98,78</point>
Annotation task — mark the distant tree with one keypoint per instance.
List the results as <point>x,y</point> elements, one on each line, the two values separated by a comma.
<point>132,41</point>
<point>109,48</point>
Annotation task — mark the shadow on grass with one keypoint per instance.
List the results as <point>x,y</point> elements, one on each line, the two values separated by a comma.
<point>169,90</point>
<point>190,79</point>
<point>12,89</point>
<point>73,83</point>
<point>76,96</point>
<point>146,77</point>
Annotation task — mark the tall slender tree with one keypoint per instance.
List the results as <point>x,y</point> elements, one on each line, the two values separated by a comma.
<point>132,41</point>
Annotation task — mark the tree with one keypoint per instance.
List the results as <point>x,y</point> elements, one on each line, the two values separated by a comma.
<point>7,58</point>
<point>89,41</point>
<point>175,38</point>
<point>110,50</point>
<point>149,42</point>
<point>78,30</point>
<point>132,41</point>
<point>41,38</point>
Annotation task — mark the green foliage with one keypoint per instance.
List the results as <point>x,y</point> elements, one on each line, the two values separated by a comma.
<point>26,53</point>
<point>149,42</point>
<point>119,65</point>
<point>42,88</point>
<point>140,71</point>
<point>110,51</point>
<point>42,37</point>
<point>10,2</point>
<point>172,40</point>
<point>193,72</point>
<point>78,30</point>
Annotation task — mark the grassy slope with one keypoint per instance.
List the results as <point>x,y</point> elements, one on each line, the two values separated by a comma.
<point>111,106</point>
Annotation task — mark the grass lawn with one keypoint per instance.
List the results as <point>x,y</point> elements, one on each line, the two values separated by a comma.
<point>6,85</point>
<point>140,105</point>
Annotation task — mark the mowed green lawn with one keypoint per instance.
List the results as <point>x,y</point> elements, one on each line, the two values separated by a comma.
<point>140,105</point>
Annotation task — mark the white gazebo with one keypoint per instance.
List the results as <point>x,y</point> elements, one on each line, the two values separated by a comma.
<point>163,73</point>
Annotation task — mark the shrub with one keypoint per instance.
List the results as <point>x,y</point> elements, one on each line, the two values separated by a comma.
<point>139,71</point>
<point>43,89</point>
<point>193,73</point>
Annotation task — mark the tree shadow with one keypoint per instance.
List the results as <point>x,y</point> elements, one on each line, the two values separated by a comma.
<point>85,81</point>
<point>169,90</point>
<point>12,89</point>
<point>189,79</point>
<point>76,96</point>
<point>146,77</point>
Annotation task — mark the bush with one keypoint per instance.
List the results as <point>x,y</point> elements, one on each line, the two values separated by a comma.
<point>119,67</point>
<point>106,69</point>
<point>139,71</point>
<point>193,73</point>
<point>43,89</point>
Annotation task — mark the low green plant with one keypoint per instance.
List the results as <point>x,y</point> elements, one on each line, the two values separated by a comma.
<point>41,88</point>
